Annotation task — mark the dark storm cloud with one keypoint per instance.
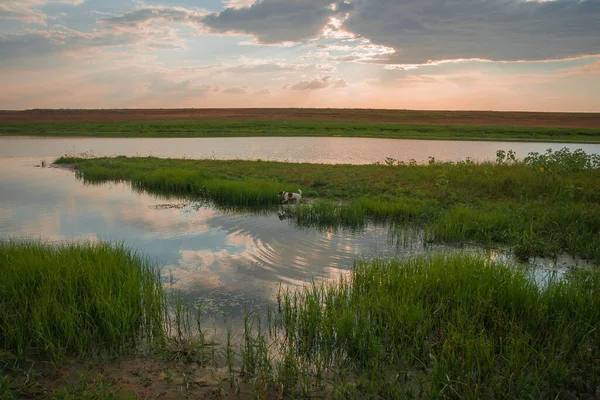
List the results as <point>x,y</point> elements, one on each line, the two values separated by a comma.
<point>276,21</point>
<point>422,30</point>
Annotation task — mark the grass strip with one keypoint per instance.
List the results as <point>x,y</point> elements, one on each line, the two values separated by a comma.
<point>301,128</point>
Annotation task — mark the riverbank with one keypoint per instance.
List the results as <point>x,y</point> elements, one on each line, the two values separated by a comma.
<point>189,129</point>
<point>442,326</point>
<point>543,205</point>
<point>78,321</point>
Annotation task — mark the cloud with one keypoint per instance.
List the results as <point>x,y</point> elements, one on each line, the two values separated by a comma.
<point>180,90</point>
<point>61,41</point>
<point>134,20</point>
<point>260,66</point>
<point>22,13</point>
<point>390,79</point>
<point>33,43</point>
<point>277,21</point>
<point>22,10</point>
<point>236,90</point>
<point>482,62</point>
<point>319,83</point>
<point>42,2</point>
<point>263,92</point>
<point>587,70</point>
<point>423,30</point>
<point>360,50</point>
<point>238,3</point>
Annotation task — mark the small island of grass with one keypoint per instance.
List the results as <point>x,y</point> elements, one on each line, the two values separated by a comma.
<point>545,204</point>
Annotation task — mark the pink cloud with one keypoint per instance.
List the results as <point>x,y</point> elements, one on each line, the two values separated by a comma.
<point>318,83</point>
<point>23,10</point>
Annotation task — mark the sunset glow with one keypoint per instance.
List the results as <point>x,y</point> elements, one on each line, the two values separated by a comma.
<point>414,54</point>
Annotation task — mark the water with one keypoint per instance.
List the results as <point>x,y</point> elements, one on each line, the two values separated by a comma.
<point>223,260</point>
<point>226,260</point>
<point>327,150</point>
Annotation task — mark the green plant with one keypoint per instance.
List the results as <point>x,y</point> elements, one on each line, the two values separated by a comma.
<point>186,340</point>
<point>86,388</point>
<point>8,390</point>
<point>503,157</point>
<point>563,160</point>
<point>230,357</point>
<point>76,299</point>
<point>390,162</point>
<point>318,179</point>
<point>445,326</point>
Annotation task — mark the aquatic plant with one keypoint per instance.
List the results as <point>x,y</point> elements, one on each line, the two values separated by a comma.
<point>445,326</point>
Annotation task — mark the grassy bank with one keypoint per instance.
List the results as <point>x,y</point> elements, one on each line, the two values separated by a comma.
<point>76,300</point>
<point>73,314</point>
<point>445,326</point>
<point>442,327</point>
<point>543,205</point>
<point>300,128</point>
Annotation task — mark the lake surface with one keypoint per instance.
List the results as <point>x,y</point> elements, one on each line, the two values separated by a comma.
<point>333,150</point>
<point>224,260</point>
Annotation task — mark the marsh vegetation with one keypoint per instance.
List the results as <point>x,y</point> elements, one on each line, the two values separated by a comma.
<point>435,326</point>
<point>441,326</point>
<point>76,299</point>
<point>544,204</point>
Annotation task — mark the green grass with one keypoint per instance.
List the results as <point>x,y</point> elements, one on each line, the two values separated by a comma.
<point>300,128</point>
<point>439,327</point>
<point>443,326</point>
<point>76,300</point>
<point>92,389</point>
<point>65,303</point>
<point>544,206</point>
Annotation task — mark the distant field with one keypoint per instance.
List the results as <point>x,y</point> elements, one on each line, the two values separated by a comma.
<point>537,119</point>
<point>457,125</point>
<point>301,128</point>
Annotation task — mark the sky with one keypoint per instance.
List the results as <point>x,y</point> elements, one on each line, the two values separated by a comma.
<point>504,55</point>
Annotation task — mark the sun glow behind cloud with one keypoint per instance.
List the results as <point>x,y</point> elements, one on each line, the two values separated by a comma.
<point>527,55</point>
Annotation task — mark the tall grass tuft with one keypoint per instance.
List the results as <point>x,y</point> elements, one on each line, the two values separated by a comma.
<point>170,180</point>
<point>447,326</point>
<point>76,299</point>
